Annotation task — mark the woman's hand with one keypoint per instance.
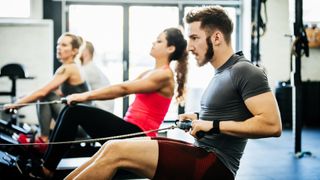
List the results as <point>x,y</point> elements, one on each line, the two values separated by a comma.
<point>74,98</point>
<point>11,107</point>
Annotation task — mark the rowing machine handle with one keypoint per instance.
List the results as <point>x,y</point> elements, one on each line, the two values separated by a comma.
<point>186,125</point>
<point>11,111</point>
<point>65,101</point>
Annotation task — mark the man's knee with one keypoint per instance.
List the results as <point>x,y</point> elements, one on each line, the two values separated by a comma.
<point>113,151</point>
<point>113,147</point>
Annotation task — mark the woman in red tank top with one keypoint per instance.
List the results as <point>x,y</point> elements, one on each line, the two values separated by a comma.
<point>154,90</point>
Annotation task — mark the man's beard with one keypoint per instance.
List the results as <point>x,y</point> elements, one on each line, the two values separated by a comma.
<point>209,54</point>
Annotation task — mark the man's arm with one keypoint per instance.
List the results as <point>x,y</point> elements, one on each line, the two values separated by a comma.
<point>266,121</point>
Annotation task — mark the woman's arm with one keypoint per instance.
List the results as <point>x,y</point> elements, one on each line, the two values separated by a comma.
<point>150,82</point>
<point>61,75</point>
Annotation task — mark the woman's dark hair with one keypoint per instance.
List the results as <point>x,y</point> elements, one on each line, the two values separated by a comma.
<point>175,38</point>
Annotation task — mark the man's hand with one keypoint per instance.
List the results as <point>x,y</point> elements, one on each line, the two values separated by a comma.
<point>200,125</point>
<point>190,116</point>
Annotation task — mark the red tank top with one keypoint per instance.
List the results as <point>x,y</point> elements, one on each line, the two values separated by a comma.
<point>148,111</point>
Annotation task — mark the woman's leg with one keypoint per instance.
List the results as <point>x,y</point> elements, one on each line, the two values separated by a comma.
<point>96,122</point>
<point>46,112</point>
<point>137,155</point>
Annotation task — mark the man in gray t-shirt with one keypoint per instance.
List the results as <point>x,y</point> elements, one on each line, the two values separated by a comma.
<point>224,99</point>
<point>94,76</point>
<point>238,103</point>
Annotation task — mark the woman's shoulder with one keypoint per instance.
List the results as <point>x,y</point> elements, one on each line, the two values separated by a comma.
<point>68,68</point>
<point>71,65</point>
<point>163,73</point>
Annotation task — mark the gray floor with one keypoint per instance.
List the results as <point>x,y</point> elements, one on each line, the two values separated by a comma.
<point>273,158</point>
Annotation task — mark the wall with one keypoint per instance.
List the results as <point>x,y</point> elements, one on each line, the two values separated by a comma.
<point>275,46</point>
<point>310,66</point>
<point>246,21</point>
<point>28,41</point>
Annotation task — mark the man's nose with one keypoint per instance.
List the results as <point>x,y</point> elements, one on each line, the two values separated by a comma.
<point>190,47</point>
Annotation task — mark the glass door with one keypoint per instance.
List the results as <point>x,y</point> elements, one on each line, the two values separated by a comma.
<point>146,23</point>
<point>126,31</point>
<point>103,26</point>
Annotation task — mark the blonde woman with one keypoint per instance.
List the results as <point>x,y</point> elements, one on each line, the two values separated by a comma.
<point>66,80</point>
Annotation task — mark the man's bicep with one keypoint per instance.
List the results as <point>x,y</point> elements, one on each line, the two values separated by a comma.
<point>262,104</point>
<point>266,114</point>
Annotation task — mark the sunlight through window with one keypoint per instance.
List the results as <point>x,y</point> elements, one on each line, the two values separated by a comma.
<point>15,8</point>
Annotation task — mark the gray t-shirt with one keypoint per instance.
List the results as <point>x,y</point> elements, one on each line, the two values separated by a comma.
<point>96,79</point>
<point>233,83</point>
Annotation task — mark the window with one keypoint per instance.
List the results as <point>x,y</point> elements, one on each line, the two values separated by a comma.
<point>142,32</point>
<point>103,26</point>
<point>15,8</point>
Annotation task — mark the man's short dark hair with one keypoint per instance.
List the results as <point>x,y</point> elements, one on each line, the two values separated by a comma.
<point>212,18</point>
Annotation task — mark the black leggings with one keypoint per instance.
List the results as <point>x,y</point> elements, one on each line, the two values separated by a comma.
<point>96,122</point>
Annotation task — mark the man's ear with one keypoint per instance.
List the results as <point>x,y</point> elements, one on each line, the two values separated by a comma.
<point>216,38</point>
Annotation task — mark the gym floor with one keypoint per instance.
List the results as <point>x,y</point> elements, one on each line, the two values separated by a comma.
<point>274,159</point>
